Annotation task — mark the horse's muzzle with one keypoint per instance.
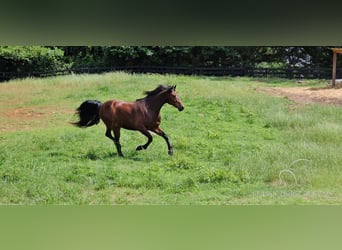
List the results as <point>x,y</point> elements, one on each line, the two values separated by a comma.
<point>181,108</point>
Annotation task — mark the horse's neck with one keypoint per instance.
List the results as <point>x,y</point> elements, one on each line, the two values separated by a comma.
<point>155,103</point>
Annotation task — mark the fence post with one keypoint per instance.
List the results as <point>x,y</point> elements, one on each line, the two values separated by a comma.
<point>334,69</point>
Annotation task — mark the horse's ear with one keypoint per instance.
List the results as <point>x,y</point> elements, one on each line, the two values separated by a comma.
<point>170,89</point>
<point>174,87</point>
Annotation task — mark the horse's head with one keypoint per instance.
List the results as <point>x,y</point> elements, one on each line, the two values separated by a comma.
<point>173,99</point>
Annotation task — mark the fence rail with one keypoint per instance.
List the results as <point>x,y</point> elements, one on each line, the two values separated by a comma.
<point>290,73</point>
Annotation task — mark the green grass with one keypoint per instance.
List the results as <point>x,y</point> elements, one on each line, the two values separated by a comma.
<point>230,145</point>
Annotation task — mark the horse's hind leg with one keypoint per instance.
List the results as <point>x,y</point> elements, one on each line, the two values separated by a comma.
<point>115,139</point>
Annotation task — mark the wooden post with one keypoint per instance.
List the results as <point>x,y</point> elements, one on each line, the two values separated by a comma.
<point>334,69</point>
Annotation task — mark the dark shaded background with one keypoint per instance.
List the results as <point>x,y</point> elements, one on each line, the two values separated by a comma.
<point>170,23</point>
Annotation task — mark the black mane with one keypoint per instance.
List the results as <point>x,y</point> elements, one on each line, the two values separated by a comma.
<point>156,91</point>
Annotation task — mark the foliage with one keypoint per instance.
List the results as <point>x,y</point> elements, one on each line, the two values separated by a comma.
<point>31,59</point>
<point>201,56</point>
<point>307,56</point>
<point>42,59</point>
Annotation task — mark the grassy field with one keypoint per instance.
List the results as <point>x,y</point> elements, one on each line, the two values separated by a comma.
<point>232,145</point>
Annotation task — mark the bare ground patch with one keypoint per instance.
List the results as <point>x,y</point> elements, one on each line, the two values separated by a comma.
<point>14,119</point>
<point>307,95</point>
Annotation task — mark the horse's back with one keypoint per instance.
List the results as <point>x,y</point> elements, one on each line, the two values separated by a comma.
<point>119,113</point>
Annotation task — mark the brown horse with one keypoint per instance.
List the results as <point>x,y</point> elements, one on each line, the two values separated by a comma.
<point>142,115</point>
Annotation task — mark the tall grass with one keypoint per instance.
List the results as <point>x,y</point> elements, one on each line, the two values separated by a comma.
<point>230,145</point>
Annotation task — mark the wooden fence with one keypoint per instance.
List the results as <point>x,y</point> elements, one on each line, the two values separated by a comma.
<point>289,73</point>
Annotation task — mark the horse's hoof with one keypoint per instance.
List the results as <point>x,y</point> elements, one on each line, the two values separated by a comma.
<point>170,153</point>
<point>139,148</point>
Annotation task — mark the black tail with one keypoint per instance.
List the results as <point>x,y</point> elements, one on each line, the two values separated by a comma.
<point>88,113</point>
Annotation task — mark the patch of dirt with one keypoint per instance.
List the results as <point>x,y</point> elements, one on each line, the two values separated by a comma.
<point>307,95</point>
<point>29,117</point>
<point>30,112</point>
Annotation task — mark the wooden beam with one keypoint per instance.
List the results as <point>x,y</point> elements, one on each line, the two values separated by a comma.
<point>337,50</point>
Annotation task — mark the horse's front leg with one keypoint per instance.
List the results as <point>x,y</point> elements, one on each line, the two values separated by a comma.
<point>160,132</point>
<point>149,137</point>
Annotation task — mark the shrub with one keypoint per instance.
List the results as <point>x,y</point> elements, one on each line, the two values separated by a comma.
<point>31,59</point>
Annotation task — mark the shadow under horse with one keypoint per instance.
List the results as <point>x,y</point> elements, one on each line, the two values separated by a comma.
<point>142,115</point>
